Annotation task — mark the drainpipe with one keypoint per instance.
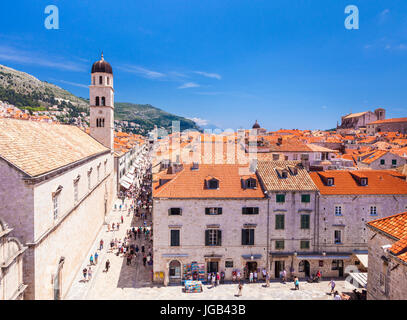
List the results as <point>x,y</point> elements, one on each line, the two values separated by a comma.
<point>268,231</point>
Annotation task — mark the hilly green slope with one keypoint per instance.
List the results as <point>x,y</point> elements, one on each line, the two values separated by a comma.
<point>28,93</point>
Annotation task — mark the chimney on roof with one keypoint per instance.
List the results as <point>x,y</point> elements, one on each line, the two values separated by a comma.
<point>280,140</point>
<point>253,166</point>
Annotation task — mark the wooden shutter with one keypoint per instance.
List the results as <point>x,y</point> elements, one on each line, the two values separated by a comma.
<point>219,243</point>
<point>206,210</point>
<point>219,210</point>
<point>251,232</point>
<point>244,210</point>
<point>206,237</point>
<point>244,237</point>
<point>256,210</point>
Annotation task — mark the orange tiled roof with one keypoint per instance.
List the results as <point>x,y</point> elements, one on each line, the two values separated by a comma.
<point>39,147</point>
<point>189,184</point>
<point>380,182</point>
<point>396,227</point>
<point>394,120</point>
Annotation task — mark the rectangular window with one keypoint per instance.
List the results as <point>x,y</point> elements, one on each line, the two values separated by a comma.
<point>394,162</point>
<point>279,222</point>
<point>382,161</point>
<point>229,264</point>
<point>247,237</point>
<point>55,202</point>
<point>280,198</point>
<point>338,210</point>
<point>213,237</point>
<point>175,238</point>
<point>75,191</point>
<point>337,236</point>
<point>295,156</point>
<point>337,264</point>
<point>305,157</point>
<point>305,198</point>
<point>174,211</point>
<point>373,210</point>
<point>276,157</point>
<point>304,244</point>
<point>213,211</point>
<point>305,221</point>
<point>279,245</point>
<point>250,210</point>
<point>330,182</point>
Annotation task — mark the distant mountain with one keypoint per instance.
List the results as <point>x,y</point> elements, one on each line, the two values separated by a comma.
<point>28,93</point>
<point>149,116</point>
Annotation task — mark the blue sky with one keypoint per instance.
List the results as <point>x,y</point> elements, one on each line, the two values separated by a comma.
<point>287,63</point>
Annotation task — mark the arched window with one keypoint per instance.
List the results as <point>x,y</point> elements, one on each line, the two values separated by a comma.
<point>100,80</point>
<point>97,101</point>
<point>103,101</point>
<point>108,80</point>
<point>103,122</point>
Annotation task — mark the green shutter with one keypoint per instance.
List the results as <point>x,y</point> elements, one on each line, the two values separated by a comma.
<point>256,210</point>
<point>206,210</point>
<point>244,238</point>
<point>219,210</point>
<point>305,198</point>
<point>280,198</point>
<point>280,222</point>
<point>219,238</point>
<point>305,221</point>
<point>206,237</point>
<point>244,210</point>
<point>251,232</point>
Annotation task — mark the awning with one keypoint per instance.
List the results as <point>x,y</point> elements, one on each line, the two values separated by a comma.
<point>125,184</point>
<point>127,179</point>
<point>323,257</point>
<point>363,258</point>
<point>174,255</point>
<point>249,256</point>
<point>360,278</point>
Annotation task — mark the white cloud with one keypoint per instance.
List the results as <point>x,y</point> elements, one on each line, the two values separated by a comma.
<point>199,121</point>
<point>209,75</point>
<point>324,107</point>
<point>31,58</point>
<point>189,85</point>
<point>146,73</point>
<point>74,84</point>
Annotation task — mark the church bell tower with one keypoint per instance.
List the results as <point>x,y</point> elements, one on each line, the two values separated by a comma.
<point>101,99</point>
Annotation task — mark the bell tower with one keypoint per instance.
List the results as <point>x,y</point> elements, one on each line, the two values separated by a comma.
<point>101,100</point>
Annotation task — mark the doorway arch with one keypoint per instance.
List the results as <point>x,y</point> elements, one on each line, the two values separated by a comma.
<point>304,266</point>
<point>174,271</point>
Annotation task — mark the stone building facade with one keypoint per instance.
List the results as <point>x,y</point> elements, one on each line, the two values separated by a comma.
<point>380,160</point>
<point>361,119</point>
<point>388,125</point>
<point>12,286</point>
<point>197,222</point>
<point>346,204</point>
<point>387,276</point>
<point>56,187</point>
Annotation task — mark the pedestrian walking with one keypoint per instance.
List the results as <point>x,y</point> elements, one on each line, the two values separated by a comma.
<point>96,258</point>
<point>122,218</point>
<point>108,227</point>
<point>91,259</point>
<point>101,244</point>
<point>89,274</point>
<point>107,265</point>
<point>332,284</point>
<point>209,278</point>
<point>264,272</point>
<point>267,279</point>
<point>239,288</point>
<point>144,260</point>
<point>297,283</point>
<point>85,273</point>
<point>213,280</point>
<point>255,276</point>
<point>251,277</point>
<point>142,248</point>
<point>217,278</point>
<point>113,225</point>
<point>284,276</point>
<point>337,296</point>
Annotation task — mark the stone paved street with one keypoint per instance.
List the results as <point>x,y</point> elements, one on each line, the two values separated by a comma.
<point>124,282</point>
